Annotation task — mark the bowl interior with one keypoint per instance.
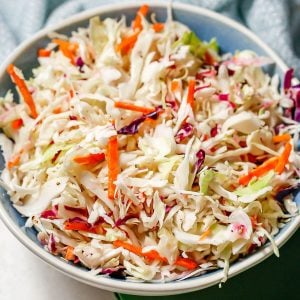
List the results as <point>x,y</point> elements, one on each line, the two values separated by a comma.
<point>206,25</point>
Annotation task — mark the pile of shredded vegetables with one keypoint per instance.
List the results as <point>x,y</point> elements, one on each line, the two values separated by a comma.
<point>141,152</point>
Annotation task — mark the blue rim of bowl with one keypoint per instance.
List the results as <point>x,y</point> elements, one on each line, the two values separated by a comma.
<point>137,288</point>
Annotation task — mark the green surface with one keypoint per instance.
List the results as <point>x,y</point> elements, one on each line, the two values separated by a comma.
<point>274,278</point>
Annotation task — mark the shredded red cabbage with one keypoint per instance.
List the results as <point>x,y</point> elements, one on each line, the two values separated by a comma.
<point>202,87</point>
<point>288,79</point>
<point>122,221</point>
<point>51,243</point>
<point>73,118</point>
<point>297,114</point>
<point>297,106</point>
<point>171,103</point>
<point>225,97</point>
<point>207,73</point>
<point>214,131</point>
<point>186,130</point>
<point>50,213</point>
<point>79,220</point>
<point>56,155</point>
<point>79,62</point>
<point>133,127</point>
<point>119,274</point>
<point>169,207</point>
<point>200,160</point>
<point>79,210</point>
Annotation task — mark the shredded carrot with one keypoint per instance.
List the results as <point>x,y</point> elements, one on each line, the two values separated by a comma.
<point>71,93</point>
<point>137,22</point>
<point>129,106</point>
<point>175,86</point>
<point>191,91</point>
<point>89,159</point>
<point>17,124</point>
<point>14,161</point>
<point>281,138</point>
<point>70,253</point>
<point>283,158</point>
<point>98,229</point>
<point>113,164</point>
<point>44,52</point>
<point>68,49</point>
<point>158,27</point>
<point>20,83</point>
<point>57,110</point>
<point>151,255</point>
<point>266,166</point>
<point>127,43</point>
<point>205,234</point>
<point>132,248</point>
<point>82,226</point>
<point>186,263</point>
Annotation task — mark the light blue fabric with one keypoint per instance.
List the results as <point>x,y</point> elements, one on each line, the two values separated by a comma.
<point>275,21</point>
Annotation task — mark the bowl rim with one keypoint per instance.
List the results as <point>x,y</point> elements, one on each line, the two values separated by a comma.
<point>141,288</point>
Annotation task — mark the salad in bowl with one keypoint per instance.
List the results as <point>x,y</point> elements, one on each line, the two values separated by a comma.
<point>144,153</point>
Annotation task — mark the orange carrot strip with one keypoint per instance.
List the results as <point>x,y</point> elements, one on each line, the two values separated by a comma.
<point>186,263</point>
<point>174,86</point>
<point>158,27</point>
<point>89,159</point>
<point>132,248</point>
<point>127,43</point>
<point>57,110</point>
<point>17,124</point>
<point>283,158</point>
<point>68,49</point>
<point>44,52</point>
<point>266,166</point>
<point>70,253</point>
<point>151,255</point>
<point>98,229</point>
<point>191,91</point>
<point>20,83</point>
<point>129,106</point>
<point>281,138</point>
<point>14,161</point>
<point>82,226</point>
<point>113,165</point>
<point>205,234</point>
<point>137,22</point>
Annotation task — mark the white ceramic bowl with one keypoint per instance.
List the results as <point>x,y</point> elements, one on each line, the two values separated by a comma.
<point>231,36</point>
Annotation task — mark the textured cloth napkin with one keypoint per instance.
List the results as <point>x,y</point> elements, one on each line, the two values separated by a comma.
<point>275,21</point>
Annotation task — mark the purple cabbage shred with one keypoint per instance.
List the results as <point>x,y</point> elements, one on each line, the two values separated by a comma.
<point>200,160</point>
<point>186,130</point>
<point>133,127</point>
<point>79,62</point>
<point>288,79</point>
<point>122,221</point>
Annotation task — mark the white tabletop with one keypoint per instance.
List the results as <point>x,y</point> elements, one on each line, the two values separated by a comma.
<point>24,276</point>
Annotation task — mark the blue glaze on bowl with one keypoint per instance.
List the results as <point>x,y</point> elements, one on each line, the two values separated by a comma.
<point>206,25</point>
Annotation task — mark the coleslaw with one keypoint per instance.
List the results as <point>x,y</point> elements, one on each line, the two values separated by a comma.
<point>142,152</point>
